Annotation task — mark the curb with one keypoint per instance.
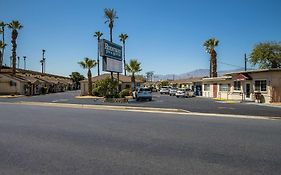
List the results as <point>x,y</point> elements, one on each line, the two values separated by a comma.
<point>103,107</point>
<point>143,109</point>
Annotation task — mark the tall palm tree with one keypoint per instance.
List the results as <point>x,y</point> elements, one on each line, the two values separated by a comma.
<point>110,16</point>
<point>133,67</point>
<point>2,31</point>
<point>98,35</point>
<point>88,64</point>
<point>2,45</point>
<point>210,45</point>
<point>123,38</point>
<point>14,26</point>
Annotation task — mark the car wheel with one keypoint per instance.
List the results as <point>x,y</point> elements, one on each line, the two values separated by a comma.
<point>150,99</point>
<point>177,96</point>
<point>137,99</point>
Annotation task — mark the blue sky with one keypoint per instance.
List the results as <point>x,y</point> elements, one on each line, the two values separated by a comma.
<point>165,36</point>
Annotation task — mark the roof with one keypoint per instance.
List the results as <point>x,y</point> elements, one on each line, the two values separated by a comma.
<point>6,69</point>
<point>122,78</point>
<point>217,78</point>
<point>255,71</point>
<point>189,80</point>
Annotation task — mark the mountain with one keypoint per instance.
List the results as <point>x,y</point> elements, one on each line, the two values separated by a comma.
<point>194,73</point>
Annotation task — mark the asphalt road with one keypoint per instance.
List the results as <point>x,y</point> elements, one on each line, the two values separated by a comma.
<point>197,104</point>
<point>48,140</point>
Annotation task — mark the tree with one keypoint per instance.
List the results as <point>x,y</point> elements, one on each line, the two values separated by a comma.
<point>2,31</point>
<point>76,78</point>
<point>210,45</point>
<point>2,45</point>
<point>164,83</point>
<point>149,75</point>
<point>98,35</point>
<point>123,38</point>
<point>106,87</point>
<point>266,55</point>
<point>133,67</point>
<point>14,26</point>
<point>88,64</point>
<point>110,16</point>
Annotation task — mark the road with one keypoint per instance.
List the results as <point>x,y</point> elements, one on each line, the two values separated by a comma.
<point>197,104</point>
<point>53,140</point>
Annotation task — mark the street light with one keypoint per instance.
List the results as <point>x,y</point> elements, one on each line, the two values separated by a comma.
<point>43,61</point>
<point>24,61</point>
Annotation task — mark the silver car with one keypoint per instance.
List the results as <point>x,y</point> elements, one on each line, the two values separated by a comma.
<point>173,91</point>
<point>183,92</point>
<point>142,93</point>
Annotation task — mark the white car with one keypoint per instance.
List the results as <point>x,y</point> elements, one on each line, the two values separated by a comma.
<point>183,92</point>
<point>142,93</point>
<point>173,91</point>
<point>164,90</point>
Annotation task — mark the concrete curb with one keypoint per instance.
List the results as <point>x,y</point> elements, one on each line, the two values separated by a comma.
<point>103,107</point>
<point>143,109</point>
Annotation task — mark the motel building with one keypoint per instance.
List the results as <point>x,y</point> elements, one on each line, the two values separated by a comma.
<point>263,86</point>
<point>27,82</point>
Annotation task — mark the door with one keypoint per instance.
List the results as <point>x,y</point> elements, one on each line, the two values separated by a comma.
<point>215,90</point>
<point>248,90</point>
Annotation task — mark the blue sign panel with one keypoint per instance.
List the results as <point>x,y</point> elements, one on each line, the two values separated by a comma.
<point>110,50</point>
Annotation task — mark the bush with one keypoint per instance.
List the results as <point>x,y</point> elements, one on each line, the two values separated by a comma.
<point>106,87</point>
<point>124,92</point>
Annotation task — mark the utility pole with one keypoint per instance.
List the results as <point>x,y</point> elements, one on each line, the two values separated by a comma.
<point>24,62</point>
<point>245,59</point>
<point>18,62</point>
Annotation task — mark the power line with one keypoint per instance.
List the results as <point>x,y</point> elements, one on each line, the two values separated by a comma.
<point>230,64</point>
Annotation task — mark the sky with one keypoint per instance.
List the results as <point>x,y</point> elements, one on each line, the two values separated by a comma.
<point>165,36</point>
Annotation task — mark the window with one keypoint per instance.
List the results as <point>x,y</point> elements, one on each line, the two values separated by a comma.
<point>206,87</point>
<point>224,87</point>
<point>237,85</point>
<point>260,85</point>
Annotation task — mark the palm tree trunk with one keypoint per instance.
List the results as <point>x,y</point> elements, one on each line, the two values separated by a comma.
<point>133,81</point>
<point>90,86</point>
<point>1,60</point>
<point>125,73</point>
<point>14,53</point>
<point>110,30</point>
<point>3,49</point>
<point>214,63</point>
<point>98,57</point>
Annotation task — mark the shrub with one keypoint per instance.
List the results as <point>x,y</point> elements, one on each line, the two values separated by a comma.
<point>124,92</point>
<point>106,87</point>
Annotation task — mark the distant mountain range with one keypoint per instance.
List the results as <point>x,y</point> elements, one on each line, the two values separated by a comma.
<point>191,74</point>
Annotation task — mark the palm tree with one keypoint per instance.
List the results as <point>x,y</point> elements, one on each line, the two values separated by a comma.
<point>14,26</point>
<point>123,38</point>
<point>98,35</point>
<point>88,64</point>
<point>2,46</point>
<point>210,45</point>
<point>110,16</point>
<point>2,30</point>
<point>133,67</point>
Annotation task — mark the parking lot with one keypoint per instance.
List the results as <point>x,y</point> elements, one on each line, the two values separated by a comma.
<point>194,104</point>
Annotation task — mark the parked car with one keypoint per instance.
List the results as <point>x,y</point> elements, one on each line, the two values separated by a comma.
<point>183,92</point>
<point>142,93</point>
<point>173,91</point>
<point>164,90</point>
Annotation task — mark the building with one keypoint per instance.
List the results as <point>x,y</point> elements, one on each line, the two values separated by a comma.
<point>27,82</point>
<point>255,85</point>
<point>124,82</point>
